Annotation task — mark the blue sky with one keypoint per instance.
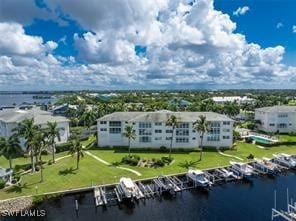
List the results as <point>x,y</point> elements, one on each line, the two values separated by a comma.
<point>113,44</point>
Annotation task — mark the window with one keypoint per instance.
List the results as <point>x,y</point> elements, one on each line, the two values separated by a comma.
<point>169,131</point>
<point>158,138</point>
<point>158,124</point>
<point>103,129</point>
<point>103,122</point>
<point>282,115</point>
<point>226,122</point>
<point>144,132</point>
<point>158,131</point>
<point>213,138</point>
<point>183,125</point>
<point>215,124</point>
<point>168,138</point>
<point>272,125</point>
<point>145,139</point>
<point>182,132</point>
<point>282,125</point>
<point>193,131</point>
<point>226,137</point>
<point>115,123</point>
<point>226,130</point>
<point>193,138</point>
<point>114,130</point>
<point>144,125</point>
<point>182,140</point>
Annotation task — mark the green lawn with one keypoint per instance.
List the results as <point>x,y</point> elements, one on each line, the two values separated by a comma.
<point>60,176</point>
<point>289,138</point>
<point>26,160</point>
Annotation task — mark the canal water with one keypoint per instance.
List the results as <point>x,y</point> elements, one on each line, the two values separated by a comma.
<point>18,99</point>
<point>238,201</point>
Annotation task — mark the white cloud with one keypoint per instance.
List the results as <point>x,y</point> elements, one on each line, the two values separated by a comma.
<point>14,41</point>
<point>279,25</point>
<point>241,10</point>
<point>186,45</point>
<point>294,28</point>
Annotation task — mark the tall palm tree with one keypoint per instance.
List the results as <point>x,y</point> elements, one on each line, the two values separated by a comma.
<point>76,148</point>
<point>202,126</point>
<point>9,147</point>
<point>53,133</point>
<point>173,122</point>
<point>39,143</point>
<point>129,133</point>
<point>26,130</point>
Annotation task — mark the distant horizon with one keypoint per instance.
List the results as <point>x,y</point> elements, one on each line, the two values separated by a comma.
<point>151,45</point>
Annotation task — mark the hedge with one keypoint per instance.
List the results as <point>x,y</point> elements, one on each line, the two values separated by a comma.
<point>286,143</point>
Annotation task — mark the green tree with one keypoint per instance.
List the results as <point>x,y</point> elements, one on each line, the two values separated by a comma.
<point>88,118</point>
<point>129,133</point>
<point>173,122</point>
<point>26,130</point>
<point>39,142</point>
<point>10,147</point>
<point>76,149</point>
<point>53,133</point>
<point>201,126</point>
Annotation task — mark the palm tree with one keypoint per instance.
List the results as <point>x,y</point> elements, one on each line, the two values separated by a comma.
<point>9,147</point>
<point>202,126</point>
<point>53,133</point>
<point>173,122</point>
<point>39,143</point>
<point>129,133</point>
<point>88,118</point>
<point>26,129</point>
<point>76,148</point>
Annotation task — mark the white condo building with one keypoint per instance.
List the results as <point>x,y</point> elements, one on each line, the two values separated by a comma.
<point>276,119</point>
<point>152,131</point>
<point>9,120</point>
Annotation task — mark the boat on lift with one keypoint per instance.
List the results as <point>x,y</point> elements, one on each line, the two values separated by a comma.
<point>285,160</point>
<point>242,169</point>
<point>199,178</point>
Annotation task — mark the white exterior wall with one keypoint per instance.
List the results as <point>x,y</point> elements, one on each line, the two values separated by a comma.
<point>6,130</point>
<point>274,122</point>
<point>111,140</point>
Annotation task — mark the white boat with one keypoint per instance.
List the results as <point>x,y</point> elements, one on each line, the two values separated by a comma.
<point>128,187</point>
<point>199,178</point>
<point>226,174</point>
<point>242,169</point>
<point>285,160</point>
<point>266,163</point>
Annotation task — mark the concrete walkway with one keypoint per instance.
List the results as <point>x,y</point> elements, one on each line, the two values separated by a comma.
<point>228,155</point>
<point>60,158</point>
<point>108,164</point>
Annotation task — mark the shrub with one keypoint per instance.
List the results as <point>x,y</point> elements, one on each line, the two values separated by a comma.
<point>166,160</point>
<point>44,152</point>
<point>251,157</point>
<point>2,184</point>
<point>63,147</point>
<point>49,162</point>
<point>159,163</point>
<point>163,149</point>
<point>132,160</point>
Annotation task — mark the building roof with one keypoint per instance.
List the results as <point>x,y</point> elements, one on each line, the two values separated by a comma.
<point>278,108</point>
<point>40,116</point>
<point>232,99</point>
<point>162,116</point>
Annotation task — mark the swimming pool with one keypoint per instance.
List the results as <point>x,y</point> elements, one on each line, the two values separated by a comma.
<point>260,139</point>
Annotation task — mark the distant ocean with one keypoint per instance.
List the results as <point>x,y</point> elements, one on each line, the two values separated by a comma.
<point>18,99</point>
